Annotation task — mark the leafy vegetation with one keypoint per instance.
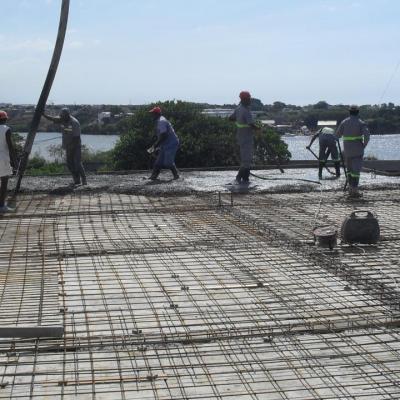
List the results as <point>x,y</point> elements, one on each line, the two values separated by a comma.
<point>205,141</point>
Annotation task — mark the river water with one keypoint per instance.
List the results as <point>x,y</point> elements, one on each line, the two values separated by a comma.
<point>45,141</point>
<point>382,147</point>
<point>385,147</point>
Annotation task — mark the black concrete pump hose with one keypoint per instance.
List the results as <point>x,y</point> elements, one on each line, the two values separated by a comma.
<point>284,179</point>
<point>62,28</point>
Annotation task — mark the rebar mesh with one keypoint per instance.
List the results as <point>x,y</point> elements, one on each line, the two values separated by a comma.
<point>188,298</point>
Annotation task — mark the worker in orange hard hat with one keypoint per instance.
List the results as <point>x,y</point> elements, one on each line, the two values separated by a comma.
<point>167,145</point>
<point>245,136</point>
<point>8,160</point>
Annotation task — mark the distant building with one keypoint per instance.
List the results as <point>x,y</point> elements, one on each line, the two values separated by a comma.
<point>104,117</point>
<point>268,122</point>
<point>218,112</point>
<point>327,123</point>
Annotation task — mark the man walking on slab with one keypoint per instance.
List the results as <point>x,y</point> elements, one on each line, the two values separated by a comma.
<point>71,142</point>
<point>327,145</point>
<point>355,136</point>
<point>167,144</point>
<point>245,136</point>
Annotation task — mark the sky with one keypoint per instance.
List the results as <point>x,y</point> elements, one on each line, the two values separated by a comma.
<point>136,52</point>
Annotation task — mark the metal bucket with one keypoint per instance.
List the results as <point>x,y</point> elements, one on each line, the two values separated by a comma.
<point>360,226</point>
<point>325,236</point>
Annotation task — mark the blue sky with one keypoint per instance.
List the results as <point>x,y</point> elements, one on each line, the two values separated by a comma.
<point>131,51</point>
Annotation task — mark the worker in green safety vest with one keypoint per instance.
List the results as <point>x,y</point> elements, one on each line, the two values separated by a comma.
<point>355,136</point>
<point>245,136</point>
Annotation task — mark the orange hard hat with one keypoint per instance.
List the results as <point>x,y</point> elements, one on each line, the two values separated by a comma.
<point>155,110</point>
<point>245,95</point>
<point>3,115</point>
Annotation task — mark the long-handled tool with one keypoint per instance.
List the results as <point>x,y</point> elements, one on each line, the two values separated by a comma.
<point>62,28</point>
<point>327,155</point>
<point>284,179</point>
<point>344,166</point>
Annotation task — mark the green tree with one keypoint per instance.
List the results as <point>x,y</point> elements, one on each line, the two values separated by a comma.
<point>205,141</point>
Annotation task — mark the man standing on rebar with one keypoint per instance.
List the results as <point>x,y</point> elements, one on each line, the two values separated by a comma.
<point>327,145</point>
<point>355,136</point>
<point>167,145</point>
<point>7,160</point>
<point>245,136</point>
<point>71,142</point>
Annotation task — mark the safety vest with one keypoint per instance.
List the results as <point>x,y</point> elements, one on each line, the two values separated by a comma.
<point>239,125</point>
<point>352,138</point>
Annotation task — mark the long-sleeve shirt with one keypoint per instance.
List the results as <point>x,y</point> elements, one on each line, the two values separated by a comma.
<point>355,135</point>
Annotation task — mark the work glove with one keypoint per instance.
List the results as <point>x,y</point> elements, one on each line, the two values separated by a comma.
<point>151,150</point>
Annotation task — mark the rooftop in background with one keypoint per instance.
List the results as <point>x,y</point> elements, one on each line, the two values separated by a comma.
<point>327,123</point>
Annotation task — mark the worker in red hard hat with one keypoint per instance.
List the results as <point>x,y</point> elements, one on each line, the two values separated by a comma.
<point>8,160</point>
<point>245,136</point>
<point>167,145</point>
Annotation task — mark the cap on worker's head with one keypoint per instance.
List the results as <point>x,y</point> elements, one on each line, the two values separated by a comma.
<point>245,95</point>
<point>354,107</point>
<point>3,115</point>
<point>155,110</point>
<point>65,111</point>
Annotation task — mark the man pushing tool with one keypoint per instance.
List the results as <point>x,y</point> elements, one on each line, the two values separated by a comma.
<point>167,144</point>
<point>327,145</point>
<point>245,135</point>
<point>71,142</point>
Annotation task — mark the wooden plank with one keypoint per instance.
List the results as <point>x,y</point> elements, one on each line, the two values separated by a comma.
<point>31,332</point>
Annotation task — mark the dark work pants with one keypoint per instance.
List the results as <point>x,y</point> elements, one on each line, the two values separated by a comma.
<point>74,160</point>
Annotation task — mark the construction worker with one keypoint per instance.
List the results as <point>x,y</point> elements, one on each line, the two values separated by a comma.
<point>327,145</point>
<point>355,136</point>
<point>244,136</point>
<point>71,142</point>
<point>167,145</point>
<point>8,160</point>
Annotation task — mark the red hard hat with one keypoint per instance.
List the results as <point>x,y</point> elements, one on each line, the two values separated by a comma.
<point>3,115</point>
<point>244,95</point>
<point>155,110</point>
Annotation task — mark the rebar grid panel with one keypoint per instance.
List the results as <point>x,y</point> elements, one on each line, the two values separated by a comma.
<point>193,303</point>
<point>360,365</point>
<point>28,284</point>
<point>292,218</point>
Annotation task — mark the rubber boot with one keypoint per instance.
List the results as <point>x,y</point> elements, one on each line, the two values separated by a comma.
<point>77,179</point>
<point>175,172</point>
<point>356,193</point>
<point>155,173</point>
<point>84,180</point>
<point>321,167</point>
<point>246,175</point>
<point>337,168</point>
<point>239,175</point>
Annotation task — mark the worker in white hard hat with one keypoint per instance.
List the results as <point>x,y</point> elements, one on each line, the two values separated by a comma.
<point>327,146</point>
<point>355,136</point>
<point>71,142</point>
<point>8,160</point>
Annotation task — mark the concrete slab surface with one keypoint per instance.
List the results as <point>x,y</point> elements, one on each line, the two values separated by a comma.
<point>198,296</point>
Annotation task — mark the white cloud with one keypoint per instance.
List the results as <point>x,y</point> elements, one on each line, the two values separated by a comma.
<point>36,45</point>
<point>76,44</point>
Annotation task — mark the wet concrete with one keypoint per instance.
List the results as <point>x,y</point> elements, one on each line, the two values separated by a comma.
<point>200,182</point>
